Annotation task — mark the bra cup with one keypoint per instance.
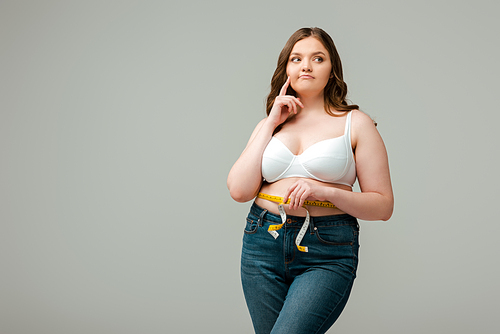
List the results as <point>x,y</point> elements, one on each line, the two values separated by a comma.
<point>324,163</point>
<point>276,160</point>
<point>322,168</point>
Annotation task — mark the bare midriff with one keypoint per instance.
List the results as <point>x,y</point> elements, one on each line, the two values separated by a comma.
<point>279,188</point>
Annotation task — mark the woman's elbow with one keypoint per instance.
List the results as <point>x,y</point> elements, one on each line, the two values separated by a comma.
<point>386,217</point>
<point>242,191</point>
<point>387,214</point>
<point>240,194</point>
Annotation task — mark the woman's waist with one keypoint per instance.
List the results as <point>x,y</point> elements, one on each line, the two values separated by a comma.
<point>301,212</point>
<point>277,189</point>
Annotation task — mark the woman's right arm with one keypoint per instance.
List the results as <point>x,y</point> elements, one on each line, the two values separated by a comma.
<point>245,178</point>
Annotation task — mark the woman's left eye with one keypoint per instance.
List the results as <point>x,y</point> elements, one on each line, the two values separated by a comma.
<point>318,59</point>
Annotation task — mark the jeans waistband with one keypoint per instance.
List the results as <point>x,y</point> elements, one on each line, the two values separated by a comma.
<point>342,219</point>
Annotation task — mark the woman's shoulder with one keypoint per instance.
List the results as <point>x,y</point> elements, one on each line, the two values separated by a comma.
<point>362,126</point>
<point>361,119</point>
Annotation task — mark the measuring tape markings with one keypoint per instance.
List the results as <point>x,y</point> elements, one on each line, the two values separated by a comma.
<point>278,199</point>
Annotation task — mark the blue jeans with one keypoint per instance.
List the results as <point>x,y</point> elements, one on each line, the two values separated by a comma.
<point>292,292</point>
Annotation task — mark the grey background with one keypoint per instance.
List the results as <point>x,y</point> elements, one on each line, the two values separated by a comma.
<point>119,121</point>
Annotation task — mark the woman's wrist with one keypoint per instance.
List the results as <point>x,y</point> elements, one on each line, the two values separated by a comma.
<point>269,125</point>
<point>331,194</point>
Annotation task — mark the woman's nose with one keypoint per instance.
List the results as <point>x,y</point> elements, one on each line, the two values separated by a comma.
<point>306,66</point>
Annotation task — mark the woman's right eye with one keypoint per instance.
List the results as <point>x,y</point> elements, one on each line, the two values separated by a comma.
<point>294,59</point>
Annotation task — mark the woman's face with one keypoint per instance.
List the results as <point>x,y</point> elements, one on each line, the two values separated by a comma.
<point>309,67</point>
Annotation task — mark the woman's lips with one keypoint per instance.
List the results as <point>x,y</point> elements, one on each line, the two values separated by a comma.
<point>306,77</point>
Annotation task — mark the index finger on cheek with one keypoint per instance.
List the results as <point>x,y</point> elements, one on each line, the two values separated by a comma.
<point>285,86</point>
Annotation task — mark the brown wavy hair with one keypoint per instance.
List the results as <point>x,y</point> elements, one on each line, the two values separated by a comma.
<point>335,90</point>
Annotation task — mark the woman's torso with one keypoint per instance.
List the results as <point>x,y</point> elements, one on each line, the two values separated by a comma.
<point>298,136</point>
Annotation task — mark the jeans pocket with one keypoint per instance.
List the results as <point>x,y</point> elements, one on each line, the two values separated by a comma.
<point>335,235</point>
<point>251,226</point>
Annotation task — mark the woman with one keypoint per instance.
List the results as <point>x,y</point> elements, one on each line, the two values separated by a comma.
<point>300,247</point>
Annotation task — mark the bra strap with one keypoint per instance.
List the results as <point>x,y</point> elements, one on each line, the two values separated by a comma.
<point>347,130</point>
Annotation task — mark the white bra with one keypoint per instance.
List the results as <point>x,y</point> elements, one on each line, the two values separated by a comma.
<point>330,160</point>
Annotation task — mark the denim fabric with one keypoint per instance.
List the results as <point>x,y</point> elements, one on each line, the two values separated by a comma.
<point>292,292</point>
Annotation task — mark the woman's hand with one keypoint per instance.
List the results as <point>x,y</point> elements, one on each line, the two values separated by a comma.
<point>283,106</point>
<point>302,190</point>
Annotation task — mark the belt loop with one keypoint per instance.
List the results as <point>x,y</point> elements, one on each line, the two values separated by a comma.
<point>261,217</point>
<point>311,225</point>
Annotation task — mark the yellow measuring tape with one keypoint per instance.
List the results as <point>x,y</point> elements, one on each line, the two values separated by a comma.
<point>279,200</point>
<point>273,228</point>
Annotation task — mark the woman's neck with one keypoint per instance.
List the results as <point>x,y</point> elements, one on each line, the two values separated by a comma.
<point>314,103</point>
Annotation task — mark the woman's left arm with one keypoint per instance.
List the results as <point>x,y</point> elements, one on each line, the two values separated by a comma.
<point>376,200</point>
